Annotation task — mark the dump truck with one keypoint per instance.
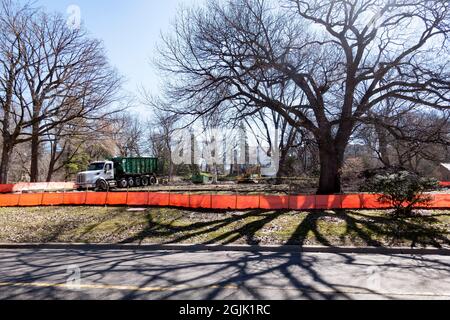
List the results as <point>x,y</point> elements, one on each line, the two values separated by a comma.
<point>118,173</point>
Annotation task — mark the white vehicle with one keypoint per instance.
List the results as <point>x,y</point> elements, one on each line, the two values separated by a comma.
<point>99,175</point>
<point>118,172</point>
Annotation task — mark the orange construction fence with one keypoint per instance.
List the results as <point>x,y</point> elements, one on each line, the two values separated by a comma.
<point>248,200</point>
<point>208,201</point>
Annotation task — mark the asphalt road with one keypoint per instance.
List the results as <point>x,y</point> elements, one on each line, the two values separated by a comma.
<point>53,274</point>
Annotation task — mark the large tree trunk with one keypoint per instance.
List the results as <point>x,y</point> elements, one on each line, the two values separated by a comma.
<point>331,160</point>
<point>4,164</point>
<point>8,141</point>
<point>283,171</point>
<point>34,170</point>
<point>51,170</point>
<point>330,178</point>
<point>54,157</point>
<point>170,170</point>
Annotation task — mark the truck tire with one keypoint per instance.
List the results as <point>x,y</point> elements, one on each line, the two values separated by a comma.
<point>102,185</point>
<point>144,181</point>
<point>131,182</point>
<point>137,181</point>
<point>153,180</point>
<point>123,183</point>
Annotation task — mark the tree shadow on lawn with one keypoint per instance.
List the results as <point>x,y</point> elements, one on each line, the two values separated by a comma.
<point>327,228</point>
<point>360,227</point>
<point>248,231</point>
<point>417,231</point>
<point>376,230</point>
<point>62,227</point>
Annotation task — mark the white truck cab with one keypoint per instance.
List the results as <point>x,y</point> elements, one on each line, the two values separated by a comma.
<point>99,175</point>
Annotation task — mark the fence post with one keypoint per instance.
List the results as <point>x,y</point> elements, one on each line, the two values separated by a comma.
<point>210,199</point>
<point>20,196</point>
<point>128,190</point>
<point>259,201</point>
<point>107,196</point>
<point>235,199</point>
<point>289,195</point>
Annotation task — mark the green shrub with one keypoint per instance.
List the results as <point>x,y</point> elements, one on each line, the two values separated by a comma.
<point>403,189</point>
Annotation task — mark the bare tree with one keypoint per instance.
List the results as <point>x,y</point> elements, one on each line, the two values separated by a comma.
<point>13,20</point>
<point>67,141</point>
<point>412,140</point>
<point>54,75</point>
<point>67,76</point>
<point>161,137</point>
<point>346,58</point>
<point>126,131</point>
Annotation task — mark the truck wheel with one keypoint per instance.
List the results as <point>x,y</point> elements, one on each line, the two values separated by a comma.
<point>102,185</point>
<point>144,181</point>
<point>123,183</point>
<point>131,182</point>
<point>153,180</point>
<point>138,182</point>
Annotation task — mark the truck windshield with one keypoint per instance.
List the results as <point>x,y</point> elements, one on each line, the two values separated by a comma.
<point>96,166</point>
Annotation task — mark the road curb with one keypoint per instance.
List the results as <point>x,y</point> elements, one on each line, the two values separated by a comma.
<point>230,248</point>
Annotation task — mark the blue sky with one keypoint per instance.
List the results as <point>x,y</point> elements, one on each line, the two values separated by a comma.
<point>130,30</point>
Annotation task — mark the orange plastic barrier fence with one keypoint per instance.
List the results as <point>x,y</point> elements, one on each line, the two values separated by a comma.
<point>159,199</point>
<point>9,200</point>
<point>302,202</point>
<point>440,201</point>
<point>117,198</point>
<point>53,199</point>
<point>30,200</point>
<point>274,202</point>
<point>137,199</point>
<point>224,202</point>
<point>179,200</point>
<point>200,201</point>
<point>247,202</point>
<point>75,198</point>
<point>328,202</point>
<point>96,198</point>
<point>371,201</point>
<point>208,201</point>
<point>352,201</point>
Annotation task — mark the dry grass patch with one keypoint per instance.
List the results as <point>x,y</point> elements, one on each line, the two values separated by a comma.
<point>168,225</point>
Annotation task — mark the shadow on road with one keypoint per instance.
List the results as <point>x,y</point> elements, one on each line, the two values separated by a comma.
<point>197,275</point>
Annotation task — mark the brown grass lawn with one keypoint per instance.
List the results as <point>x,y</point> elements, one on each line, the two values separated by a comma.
<point>168,225</point>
